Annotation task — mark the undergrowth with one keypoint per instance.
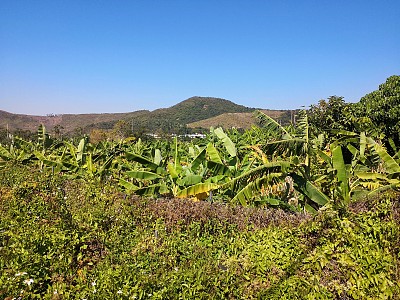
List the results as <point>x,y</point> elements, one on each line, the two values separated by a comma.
<point>76,239</point>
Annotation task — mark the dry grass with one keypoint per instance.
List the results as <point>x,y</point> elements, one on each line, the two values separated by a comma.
<point>183,212</point>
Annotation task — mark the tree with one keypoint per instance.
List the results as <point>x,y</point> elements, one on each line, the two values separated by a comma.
<point>98,135</point>
<point>334,113</point>
<point>58,131</point>
<point>382,108</point>
<point>121,130</point>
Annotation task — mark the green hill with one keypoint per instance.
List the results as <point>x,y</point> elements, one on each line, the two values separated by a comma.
<point>190,110</point>
<point>194,112</point>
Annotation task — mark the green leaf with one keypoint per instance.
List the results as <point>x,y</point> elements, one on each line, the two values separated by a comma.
<point>157,157</point>
<point>152,190</point>
<point>324,156</point>
<point>143,175</point>
<point>106,165</point>
<point>253,188</point>
<point>191,180</point>
<point>363,145</point>
<point>213,154</point>
<point>339,166</point>
<point>197,189</point>
<point>271,201</point>
<point>172,171</point>
<point>200,158</point>
<point>308,208</point>
<point>218,169</point>
<point>80,155</point>
<point>229,145</point>
<point>391,165</point>
<point>5,154</point>
<point>142,160</point>
<point>270,124</point>
<point>47,162</point>
<point>371,176</point>
<point>276,167</point>
<point>128,185</point>
<point>308,189</point>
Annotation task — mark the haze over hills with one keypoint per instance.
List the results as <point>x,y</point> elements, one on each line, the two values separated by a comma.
<point>195,109</point>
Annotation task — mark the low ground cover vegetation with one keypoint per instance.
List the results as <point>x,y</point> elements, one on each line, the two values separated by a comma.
<point>76,239</point>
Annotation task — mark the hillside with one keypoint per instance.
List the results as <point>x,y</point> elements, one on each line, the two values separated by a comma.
<point>239,120</point>
<point>191,110</point>
<point>69,122</point>
<point>165,119</point>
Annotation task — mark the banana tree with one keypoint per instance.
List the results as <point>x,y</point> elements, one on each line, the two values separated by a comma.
<point>386,173</point>
<point>191,174</point>
<point>19,151</point>
<point>298,148</point>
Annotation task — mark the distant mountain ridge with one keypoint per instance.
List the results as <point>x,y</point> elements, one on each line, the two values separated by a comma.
<point>189,111</point>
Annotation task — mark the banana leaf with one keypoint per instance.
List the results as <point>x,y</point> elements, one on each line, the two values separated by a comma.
<point>270,124</point>
<point>142,160</point>
<point>213,154</point>
<point>128,185</point>
<point>197,189</point>
<point>143,175</point>
<point>5,154</point>
<point>339,166</point>
<point>308,189</point>
<point>253,188</point>
<point>200,158</point>
<point>229,145</point>
<point>391,165</point>
<point>190,180</point>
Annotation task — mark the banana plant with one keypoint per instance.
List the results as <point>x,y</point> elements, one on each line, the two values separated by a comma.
<point>299,148</point>
<point>19,151</point>
<point>386,174</point>
<point>171,175</point>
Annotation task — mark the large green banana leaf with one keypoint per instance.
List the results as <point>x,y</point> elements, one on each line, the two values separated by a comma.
<point>229,145</point>
<point>146,162</point>
<point>213,154</point>
<point>253,188</point>
<point>391,164</point>
<point>270,124</point>
<point>5,154</point>
<point>197,189</point>
<point>200,158</point>
<point>143,175</point>
<point>339,166</point>
<point>308,189</point>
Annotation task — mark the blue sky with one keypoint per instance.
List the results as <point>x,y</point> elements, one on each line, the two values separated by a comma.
<point>119,56</point>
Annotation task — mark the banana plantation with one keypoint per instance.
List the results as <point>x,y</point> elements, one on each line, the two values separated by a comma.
<point>290,168</point>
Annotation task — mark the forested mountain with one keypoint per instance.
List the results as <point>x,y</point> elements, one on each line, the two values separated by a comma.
<point>167,120</point>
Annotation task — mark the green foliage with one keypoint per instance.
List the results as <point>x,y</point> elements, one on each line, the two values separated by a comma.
<point>331,114</point>
<point>382,108</point>
<point>72,239</point>
<point>73,227</point>
<point>377,113</point>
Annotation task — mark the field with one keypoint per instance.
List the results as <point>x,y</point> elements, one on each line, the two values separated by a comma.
<point>305,211</point>
<point>76,239</point>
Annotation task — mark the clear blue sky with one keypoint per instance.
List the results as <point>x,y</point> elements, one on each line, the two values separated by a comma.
<point>119,56</point>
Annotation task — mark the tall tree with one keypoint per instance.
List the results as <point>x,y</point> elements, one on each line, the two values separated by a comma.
<point>382,107</point>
